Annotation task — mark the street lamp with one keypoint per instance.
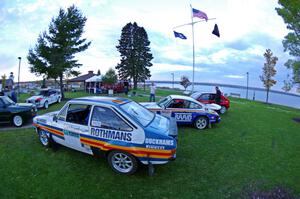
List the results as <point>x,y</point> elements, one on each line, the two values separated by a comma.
<point>19,76</point>
<point>247,84</point>
<point>172,80</point>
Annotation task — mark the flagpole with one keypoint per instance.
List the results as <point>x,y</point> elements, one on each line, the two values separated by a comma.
<point>193,48</point>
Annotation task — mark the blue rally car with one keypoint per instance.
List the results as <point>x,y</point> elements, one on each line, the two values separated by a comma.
<point>186,110</point>
<point>121,129</point>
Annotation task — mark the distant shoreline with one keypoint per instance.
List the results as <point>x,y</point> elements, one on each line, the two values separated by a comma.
<point>226,85</point>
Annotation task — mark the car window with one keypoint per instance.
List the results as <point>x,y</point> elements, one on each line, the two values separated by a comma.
<point>212,96</point>
<point>7,101</point>
<point>106,118</point>
<point>78,114</point>
<point>179,103</point>
<point>204,97</point>
<point>164,101</point>
<point>193,105</point>
<point>62,114</point>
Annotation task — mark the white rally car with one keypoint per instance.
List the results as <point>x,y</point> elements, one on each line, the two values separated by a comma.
<point>121,129</point>
<point>45,98</point>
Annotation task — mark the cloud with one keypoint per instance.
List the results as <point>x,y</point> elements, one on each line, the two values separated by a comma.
<point>234,76</point>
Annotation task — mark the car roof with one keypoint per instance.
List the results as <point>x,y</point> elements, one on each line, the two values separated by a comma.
<point>183,97</point>
<point>103,100</point>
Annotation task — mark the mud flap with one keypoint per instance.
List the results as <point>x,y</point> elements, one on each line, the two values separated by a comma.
<point>151,169</point>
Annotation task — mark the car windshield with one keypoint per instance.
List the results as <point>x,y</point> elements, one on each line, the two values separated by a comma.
<point>44,92</point>
<point>163,102</point>
<point>138,112</point>
<point>195,95</point>
<point>7,101</point>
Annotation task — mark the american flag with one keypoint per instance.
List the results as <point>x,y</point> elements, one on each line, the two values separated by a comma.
<point>199,14</point>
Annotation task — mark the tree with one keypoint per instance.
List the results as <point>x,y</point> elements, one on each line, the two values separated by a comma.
<point>98,73</point>
<point>290,12</point>
<point>110,77</point>
<point>53,55</point>
<point>269,71</point>
<point>287,84</point>
<point>185,82</point>
<point>135,54</point>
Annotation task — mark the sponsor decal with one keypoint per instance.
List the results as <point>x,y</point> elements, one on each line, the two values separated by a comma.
<point>69,133</point>
<point>183,117</point>
<point>159,141</point>
<point>154,147</point>
<point>111,134</point>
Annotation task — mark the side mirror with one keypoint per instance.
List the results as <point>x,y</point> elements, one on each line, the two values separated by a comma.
<point>55,118</point>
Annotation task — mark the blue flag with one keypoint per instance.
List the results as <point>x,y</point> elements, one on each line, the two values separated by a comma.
<point>180,35</point>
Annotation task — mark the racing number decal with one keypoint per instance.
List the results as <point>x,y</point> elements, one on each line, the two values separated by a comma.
<point>183,117</point>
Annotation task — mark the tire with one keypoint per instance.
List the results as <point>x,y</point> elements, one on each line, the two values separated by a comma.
<point>201,122</point>
<point>45,140</point>
<point>223,109</point>
<point>46,105</point>
<point>122,162</point>
<point>17,120</point>
<point>58,100</point>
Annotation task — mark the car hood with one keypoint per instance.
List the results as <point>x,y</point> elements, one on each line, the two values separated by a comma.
<point>163,125</point>
<point>45,118</point>
<point>213,106</point>
<point>21,105</point>
<point>150,105</point>
<point>35,97</point>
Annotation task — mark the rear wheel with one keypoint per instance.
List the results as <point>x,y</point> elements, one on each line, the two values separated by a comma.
<point>223,109</point>
<point>58,100</point>
<point>122,162</point>
<point>201,123</point>
<point>17,120</point>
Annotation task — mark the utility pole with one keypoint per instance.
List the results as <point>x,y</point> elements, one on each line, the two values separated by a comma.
<point>19,76</point>
<point>172,80</point>
<point>247,84</point>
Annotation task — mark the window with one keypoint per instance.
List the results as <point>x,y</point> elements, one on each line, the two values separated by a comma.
<point>62,114</point>
<point>164,101</point>
<point>204,97</point>
<point>108,119</point>
<point>138,112</point>
<point>78,114</point>
<point>193,105</point>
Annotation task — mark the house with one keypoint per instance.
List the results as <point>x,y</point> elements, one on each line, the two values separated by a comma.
<point>79,82</point>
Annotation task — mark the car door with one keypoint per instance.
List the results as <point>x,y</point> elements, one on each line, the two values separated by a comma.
<point>4,112</point>
<point>75,123</point>
<point>180,110</point>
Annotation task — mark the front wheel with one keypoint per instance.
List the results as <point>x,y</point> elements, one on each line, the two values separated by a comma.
<point>122,162</point>
<point>223,109</point>
<point>201,123</point>
<point>45,140</point>
<point>46,105</point>
<point>17,121</point>
<point>58,100</point>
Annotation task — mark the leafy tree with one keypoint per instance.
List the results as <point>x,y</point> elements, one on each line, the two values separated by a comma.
<point>287,84</point>
<point>134,48</point>
<point>290,12</point>
<point>185,82</point>
<point>269,71</point>
<point>110,77</point>
<point>53,55</point>
<point>3,81</point>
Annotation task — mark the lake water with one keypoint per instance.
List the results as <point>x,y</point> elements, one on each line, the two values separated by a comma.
<point>256,93</point>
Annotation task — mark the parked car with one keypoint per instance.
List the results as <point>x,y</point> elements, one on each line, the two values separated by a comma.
<point>16,114</point>
<point>209,98</point>
<point>186,110</point>
<point>45,98</point>
<point>121,129</point>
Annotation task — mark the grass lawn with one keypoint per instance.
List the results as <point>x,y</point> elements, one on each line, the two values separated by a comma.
<point>255,144</point>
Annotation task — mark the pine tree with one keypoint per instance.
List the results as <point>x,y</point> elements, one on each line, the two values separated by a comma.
<point>269,71</point>
<point>135,54</point>
<point>53,55</point>
<point>290,12</point>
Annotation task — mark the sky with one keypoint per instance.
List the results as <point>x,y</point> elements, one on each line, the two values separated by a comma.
<point>247,29</point>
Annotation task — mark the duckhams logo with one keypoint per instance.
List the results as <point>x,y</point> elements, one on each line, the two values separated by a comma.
<point>111,134</point>
<point>184,117</point>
